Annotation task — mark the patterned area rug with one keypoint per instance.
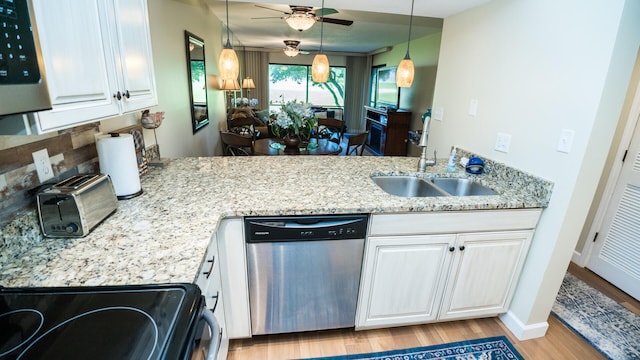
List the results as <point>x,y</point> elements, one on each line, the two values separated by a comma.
<point>608,326</point>
<point>494,348</point>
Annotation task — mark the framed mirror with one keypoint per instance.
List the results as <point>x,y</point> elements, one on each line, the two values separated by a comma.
<point>197,81</point>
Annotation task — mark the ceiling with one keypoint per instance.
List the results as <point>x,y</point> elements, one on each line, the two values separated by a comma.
<point>377,24</point>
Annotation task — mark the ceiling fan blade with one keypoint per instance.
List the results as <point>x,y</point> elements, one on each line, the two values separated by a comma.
<point>267,17</point>
<point>302,52</point>
<point>336,21</point>
<point>325,12</point>
<point>272,9</point>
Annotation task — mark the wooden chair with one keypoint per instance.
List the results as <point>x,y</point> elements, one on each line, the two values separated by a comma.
<point>236,145</point>
<point>356,144</point>
<point>335,126</point>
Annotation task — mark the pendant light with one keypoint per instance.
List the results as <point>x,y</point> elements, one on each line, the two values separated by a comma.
<point>228,62</point>
<point>320,65</point>
<point>405,71</point>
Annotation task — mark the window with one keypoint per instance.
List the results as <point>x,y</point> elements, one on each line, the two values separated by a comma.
<point>293,82</point>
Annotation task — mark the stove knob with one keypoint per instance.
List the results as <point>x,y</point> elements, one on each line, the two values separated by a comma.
<point>71,228</point>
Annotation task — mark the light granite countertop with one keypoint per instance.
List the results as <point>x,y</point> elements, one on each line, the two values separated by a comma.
<point>162,235</point>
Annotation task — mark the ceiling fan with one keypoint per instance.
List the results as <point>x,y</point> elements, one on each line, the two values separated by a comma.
<point>303,17</point>
<point>292,49</point>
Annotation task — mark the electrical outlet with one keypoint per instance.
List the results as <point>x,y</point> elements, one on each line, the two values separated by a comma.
<point>566,140</point>
<point>502,142</point>
<point>43,165</point>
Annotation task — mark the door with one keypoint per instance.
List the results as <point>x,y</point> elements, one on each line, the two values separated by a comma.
<point>78,63</point>
<point>133,54</point>
<point>616,255</point>
<point>484,273</point>
<point>403,279</point>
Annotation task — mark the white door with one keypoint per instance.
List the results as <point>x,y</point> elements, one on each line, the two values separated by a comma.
<point>80,72</point>
<point>484,273</point>
<point>616,255</point>
<point>403,279</point>
<point>133,53</point>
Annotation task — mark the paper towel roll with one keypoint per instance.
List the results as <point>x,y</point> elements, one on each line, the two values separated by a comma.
<point>117,156</point>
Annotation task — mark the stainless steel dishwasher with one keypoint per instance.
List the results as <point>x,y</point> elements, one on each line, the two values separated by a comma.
<point>303,271</point>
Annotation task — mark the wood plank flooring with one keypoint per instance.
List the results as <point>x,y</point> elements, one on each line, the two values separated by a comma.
<point>559,343</point>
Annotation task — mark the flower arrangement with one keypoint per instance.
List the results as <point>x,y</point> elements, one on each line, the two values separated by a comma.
<point>294,119</point>
<point>246,102</point>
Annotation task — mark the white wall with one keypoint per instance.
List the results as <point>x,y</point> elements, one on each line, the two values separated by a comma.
<point>537,67</point>
<point>168,21</point>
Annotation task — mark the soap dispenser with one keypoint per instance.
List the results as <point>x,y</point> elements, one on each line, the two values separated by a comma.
<point>451,165</point>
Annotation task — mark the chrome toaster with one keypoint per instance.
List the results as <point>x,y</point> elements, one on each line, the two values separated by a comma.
<point>74,206</point>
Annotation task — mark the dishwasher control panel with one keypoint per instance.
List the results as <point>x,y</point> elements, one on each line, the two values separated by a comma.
<point>297,228</point>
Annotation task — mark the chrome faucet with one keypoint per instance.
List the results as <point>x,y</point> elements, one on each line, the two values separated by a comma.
<point>424,162</point>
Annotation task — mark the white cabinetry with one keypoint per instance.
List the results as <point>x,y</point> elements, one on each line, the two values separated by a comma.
<point>235,285</point>
<point>97,58</point>
<point>210,284</point>
<point>440,266</point>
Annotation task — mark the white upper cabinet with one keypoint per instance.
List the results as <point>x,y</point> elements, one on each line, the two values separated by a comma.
<point>97,57</point>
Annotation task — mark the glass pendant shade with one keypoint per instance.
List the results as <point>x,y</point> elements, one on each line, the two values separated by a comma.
<point>405,72</point>
<point>228,64</point>
<point>291,51</point>
<point>320,68</point>
<point>300,22</point>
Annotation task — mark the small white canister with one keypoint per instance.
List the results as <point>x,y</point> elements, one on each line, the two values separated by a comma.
<point>117,157</point>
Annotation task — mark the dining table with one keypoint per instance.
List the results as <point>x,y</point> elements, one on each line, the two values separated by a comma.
<point>273,146</point>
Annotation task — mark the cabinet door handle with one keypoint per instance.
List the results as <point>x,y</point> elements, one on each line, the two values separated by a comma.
<point>452,248</point>
<point>126,94</point>
<point>461,248</point>
<point>208,272</point>
<point>217,297</point>
<point>117,95</point>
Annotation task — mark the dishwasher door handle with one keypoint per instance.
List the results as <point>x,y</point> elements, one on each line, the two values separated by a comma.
<point>292,224</point>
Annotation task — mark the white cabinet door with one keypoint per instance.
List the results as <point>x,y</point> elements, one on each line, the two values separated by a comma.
<point>79,67</point>
<point>484,273</point>
<point>403,279</point>
<point>97,58</point>
<point>132,51</point>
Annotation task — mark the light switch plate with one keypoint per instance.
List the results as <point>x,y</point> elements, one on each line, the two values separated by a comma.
<point>566,140</point>
<point>43,165</point>
<point>438,113</point>
<point>473,107</point>
<point>502,142</point>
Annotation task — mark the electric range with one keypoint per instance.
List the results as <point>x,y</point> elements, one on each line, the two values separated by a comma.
<point>112,322</point>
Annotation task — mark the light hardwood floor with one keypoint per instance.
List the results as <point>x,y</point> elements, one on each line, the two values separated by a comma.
<point>559,343</point>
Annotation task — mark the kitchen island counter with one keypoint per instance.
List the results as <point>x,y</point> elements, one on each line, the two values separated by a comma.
<point>161,236</point>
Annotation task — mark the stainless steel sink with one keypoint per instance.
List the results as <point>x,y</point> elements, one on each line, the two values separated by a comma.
<point>407,186</point>
<point>462,187</point>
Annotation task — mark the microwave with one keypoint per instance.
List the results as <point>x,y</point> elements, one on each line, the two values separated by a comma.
<point>23,87</point>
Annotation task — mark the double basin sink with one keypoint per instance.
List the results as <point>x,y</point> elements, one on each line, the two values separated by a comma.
<point>410,186</point>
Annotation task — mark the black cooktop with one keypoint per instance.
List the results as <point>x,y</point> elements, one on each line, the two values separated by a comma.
<point>123,322</point>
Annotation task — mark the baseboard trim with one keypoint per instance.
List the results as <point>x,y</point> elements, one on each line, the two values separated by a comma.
<point>522,331</point>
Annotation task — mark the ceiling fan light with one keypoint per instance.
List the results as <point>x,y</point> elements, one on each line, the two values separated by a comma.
<point>290,51</point>
<point>320,68</point>
<point>300,21</point>
<point>228,64</point>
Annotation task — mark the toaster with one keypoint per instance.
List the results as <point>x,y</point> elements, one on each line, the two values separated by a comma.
<point>74,206</point>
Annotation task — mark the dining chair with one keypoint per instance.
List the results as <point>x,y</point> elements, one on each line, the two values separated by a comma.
<point>355,144</point>
<point>334,129</point>
<point>236,145</point>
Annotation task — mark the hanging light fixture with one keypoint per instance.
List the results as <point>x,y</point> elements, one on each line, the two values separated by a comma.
<point>291,48</point>
<point>228,62</point>
<point>320,65</point>
<point>406,70</point>
<point>300,20</point>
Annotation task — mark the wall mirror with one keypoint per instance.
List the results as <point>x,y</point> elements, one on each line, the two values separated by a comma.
<point>197,81</point>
